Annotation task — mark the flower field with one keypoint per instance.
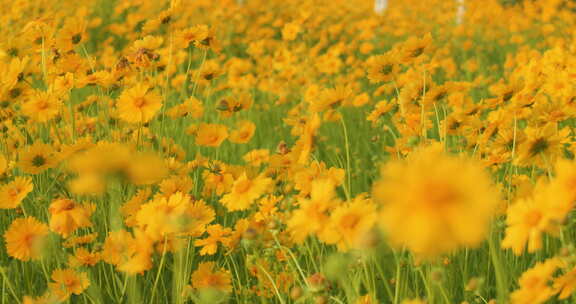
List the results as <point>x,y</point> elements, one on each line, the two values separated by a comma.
<point>302,151</point>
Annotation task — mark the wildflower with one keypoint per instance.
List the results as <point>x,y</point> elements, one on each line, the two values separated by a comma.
<point>382,68</point>
<point>83,257</point>
<point>211,135</point>
<point>72,34</point>
<point>209,71</point>
<point>216,234</point>
<point>87,184</point>
<point>139,104</point>
<point>231,105</point>
<point>146,168</point>
<point>75,241</point>
<point>130,254</point>
<point>244,191</point>
<point>412,49</point>
<point>175,184</point>
<point>290,31</point>
<point>434,203</point>
<point>257,157</point>
<point>191,107</point>
<point>350,224</point>
<point>143,51</point>
<point>565,284</point>
<point>312,215</point>
<point>68,282</point>
<point>543,145</point>
<point>42,106</point>
<point>173,215</point>
<point>66,216</point>
<point>12,194</point>
<point>37,158</point>
<point>24,238</point>
<point>131,207</point>
<point>244,132</point>
<point>527,220</point>
<point>534,283</point>
<point>190,35</point>
<point>208,276</point>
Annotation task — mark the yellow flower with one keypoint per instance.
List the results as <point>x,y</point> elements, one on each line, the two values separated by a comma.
<point>146,168</point>
<point>312,215</point>
<point>83,257</point>
<point>175,184</point>
<point>42,106</point>
<point>190,35</point>
<point>37,158</point>
<point>257,157</point>
<point>542,146</point>
<point>290,31</point>
<point>412,49</point>
<point>24,238</point>
<point>173,215</point>
<point>382,68</point>
<point>208,276</point>
<point>12,194</point>
<point>566,284</point>
<point>138,104</point>
<point>191,107</point>
<point>244,192</point>
<point>209,135</point>
<point>535,283</point>
<point>87,184</point>
<point>66,216</point>
<point>216,234</point>
<point>130,254</point>
<point>531,216</point>
<point>350,224</point>
<point>434,203</point>
<point>72,34</point>
<point>130,209</point>
<point>68,282</point>
<point>244,132</point>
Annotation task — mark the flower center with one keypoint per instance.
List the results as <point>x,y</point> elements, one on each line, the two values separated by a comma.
<point>533,218</point>
<point>140,102</point>
<point>243,186</point>
<point>38,161</point>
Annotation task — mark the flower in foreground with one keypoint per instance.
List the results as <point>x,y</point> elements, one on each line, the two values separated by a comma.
<point>434,203</point>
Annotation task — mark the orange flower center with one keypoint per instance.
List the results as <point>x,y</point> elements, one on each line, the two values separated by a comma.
<point>350,221</point>
<point>42,105</point>
<point>140,102</point>
<point>439,194</point>
<point>243,186</point>
<point>533,218</point>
